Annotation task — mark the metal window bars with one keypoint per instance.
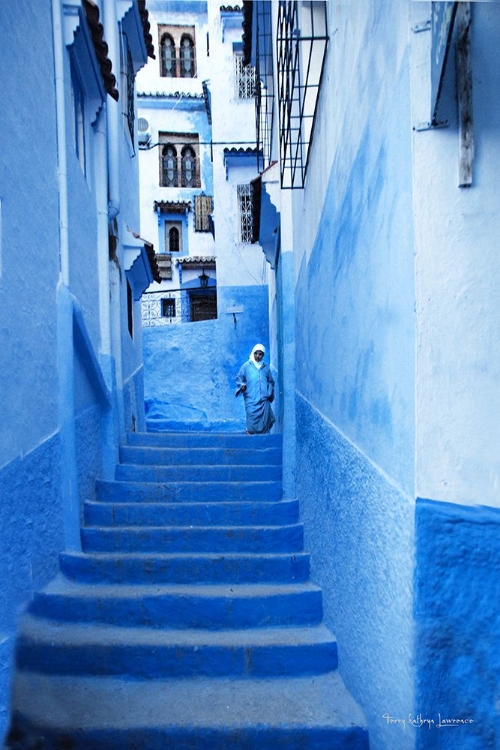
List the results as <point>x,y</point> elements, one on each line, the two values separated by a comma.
<point>264,101</point>
<point>244,78</point>
<point>302,41</point>
<point>245,212</point>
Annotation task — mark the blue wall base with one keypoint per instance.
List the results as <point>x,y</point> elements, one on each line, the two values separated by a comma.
<point>458,623</point>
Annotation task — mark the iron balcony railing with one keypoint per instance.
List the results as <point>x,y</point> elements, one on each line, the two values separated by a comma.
<point>174,306</point>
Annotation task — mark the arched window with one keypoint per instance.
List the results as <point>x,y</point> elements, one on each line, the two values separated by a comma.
<point>186,54</point>
<point>169,166</point>
<point>168,66</point>
<point>174,243</point>
<point>188,167</point>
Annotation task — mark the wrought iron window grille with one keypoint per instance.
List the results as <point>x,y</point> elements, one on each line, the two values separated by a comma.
<point>265,86</point>
<point>302,40</point>
<point>188,306</point>
<point>245,203</point>
<point>244,78</point>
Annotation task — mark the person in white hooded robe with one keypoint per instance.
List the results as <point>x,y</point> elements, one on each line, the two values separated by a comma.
<point>255,382</point>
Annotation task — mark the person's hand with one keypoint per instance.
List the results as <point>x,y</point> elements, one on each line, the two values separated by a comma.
<point>243,388</point>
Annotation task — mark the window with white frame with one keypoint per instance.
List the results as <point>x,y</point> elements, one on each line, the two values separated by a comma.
<point>177,51</point>
<point>244,78</point>
<point>245,206</point>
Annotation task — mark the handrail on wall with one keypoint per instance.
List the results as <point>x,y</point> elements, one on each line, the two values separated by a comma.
<point>85,348</point>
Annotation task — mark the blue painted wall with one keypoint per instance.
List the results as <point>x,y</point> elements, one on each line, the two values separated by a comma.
<point>355,361</point>
<point>31,537</point>
<point>50,375</point>
<point>457,613</point>
<point>359,530</point>
<point>190,369</point>
<point>31,531</point>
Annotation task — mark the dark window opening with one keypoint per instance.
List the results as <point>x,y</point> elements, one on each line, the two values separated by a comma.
<point>203,305</point>
<point>130,310</point>
<point>168,62</point>
<point>169,167</point>
<point>168,307</point>
<point>174,243</point>
<point>187,67</point>
<point>130,94</point>
<point>188,168</point>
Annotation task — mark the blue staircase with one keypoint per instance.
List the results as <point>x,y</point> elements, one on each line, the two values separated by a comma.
<point>188,621</point>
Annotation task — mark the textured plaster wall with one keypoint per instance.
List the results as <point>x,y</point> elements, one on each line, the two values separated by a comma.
<point>31,531</point>
<point>458,623</point>
<point>29,260</point>
<point>89,452</point>
<point>355,346</point>
<point>31,538</point>
<point>359,530</point>
<point>458,282</point>
<point>190,370</point>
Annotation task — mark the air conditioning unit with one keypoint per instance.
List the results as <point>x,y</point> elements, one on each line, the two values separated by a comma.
<point>143,131</point>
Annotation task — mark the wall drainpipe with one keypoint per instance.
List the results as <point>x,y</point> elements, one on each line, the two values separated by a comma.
<point>116,271</point>
<point>64,311</point>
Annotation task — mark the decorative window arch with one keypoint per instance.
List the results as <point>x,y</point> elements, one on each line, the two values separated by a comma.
<point>188,167</point>
<point>168,57</point>
<point>179,160</point>
<point>170,174</point>
<point>177,46</point>
<point>186,55</point>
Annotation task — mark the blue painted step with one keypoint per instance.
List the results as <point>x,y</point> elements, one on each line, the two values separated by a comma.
<point>57,647</point>
<point>193,538</point>
<point>193,586</point>
<point>201,456</point>
<point>188,492</point>
<point>143,568</point>
<point>192,514</point>
<point>181,606</point>
<point>203,440</point>
<point>217,473</point>
<point>300,713</point>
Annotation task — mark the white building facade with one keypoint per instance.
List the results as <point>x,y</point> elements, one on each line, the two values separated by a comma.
<point>197,163</point>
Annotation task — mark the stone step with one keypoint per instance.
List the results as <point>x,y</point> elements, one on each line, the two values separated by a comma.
<point>215,607</point>
<point>203,440</point>
<point>193,538</point>
<point>210,473</point>
<point>163,456</point>
<point>152,653</point>
<point>192,514</point>
<point>185,568</point>
<point>299,713</point>
<point>188,492</point>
